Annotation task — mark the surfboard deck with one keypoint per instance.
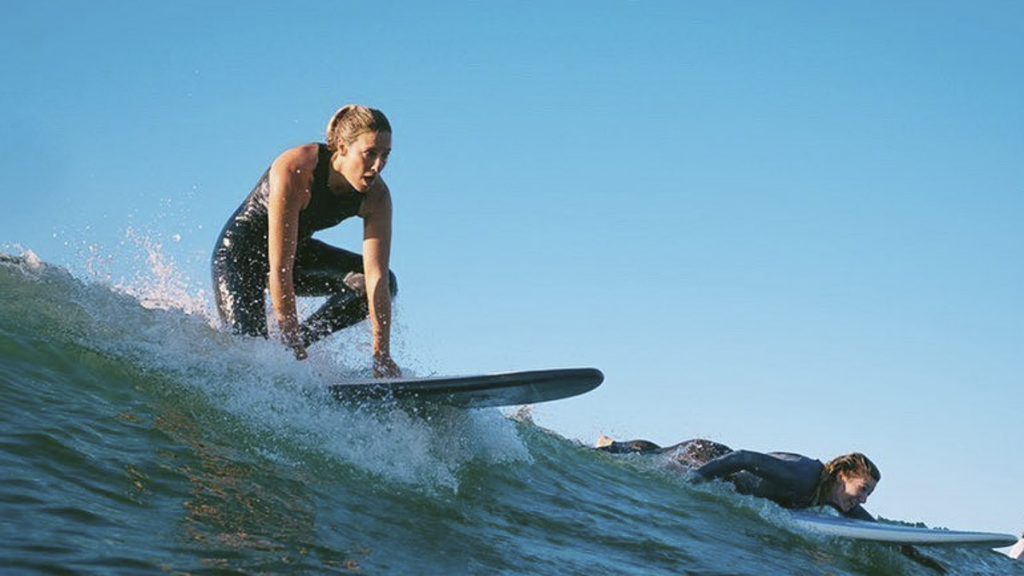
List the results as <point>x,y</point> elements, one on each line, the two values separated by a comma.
<point>896,533</point>
<point>477,391</point>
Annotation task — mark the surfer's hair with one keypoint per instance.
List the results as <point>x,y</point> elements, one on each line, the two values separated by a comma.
<point>350,121</point>
<point>853,464</point>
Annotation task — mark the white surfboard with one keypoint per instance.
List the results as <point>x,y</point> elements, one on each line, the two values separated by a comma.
<point>896,533</point>
<point>508,389</point>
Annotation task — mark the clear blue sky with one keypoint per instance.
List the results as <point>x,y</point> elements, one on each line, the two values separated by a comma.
<point>780,225</point>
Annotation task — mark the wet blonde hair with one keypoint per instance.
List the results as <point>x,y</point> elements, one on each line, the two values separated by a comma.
<point>349,122</point>
<point>853,464</point>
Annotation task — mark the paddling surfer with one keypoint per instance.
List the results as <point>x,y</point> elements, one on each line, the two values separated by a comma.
<point>267,243</point>
<point>790,480</point>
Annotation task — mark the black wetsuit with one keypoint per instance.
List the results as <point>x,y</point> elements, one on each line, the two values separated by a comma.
<point>689,454</point>
<point>241,263</point>
<point>787,479</point>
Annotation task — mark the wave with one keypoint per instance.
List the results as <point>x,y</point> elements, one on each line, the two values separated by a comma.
<point>138,438</point>
<point>174,345</point>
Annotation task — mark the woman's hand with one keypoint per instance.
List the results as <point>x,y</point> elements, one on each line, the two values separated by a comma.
<point>292,340</point>
<point>912,553</point>
<point>385,367</point>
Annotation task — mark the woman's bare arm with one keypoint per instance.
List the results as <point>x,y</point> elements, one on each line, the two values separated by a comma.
<point>377,212</point>
<point>290,178</point>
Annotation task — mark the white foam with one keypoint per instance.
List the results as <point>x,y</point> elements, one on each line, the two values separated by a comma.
<point>155,322</point>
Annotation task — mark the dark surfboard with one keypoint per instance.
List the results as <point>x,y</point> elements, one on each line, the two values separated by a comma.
<point>508,389</point>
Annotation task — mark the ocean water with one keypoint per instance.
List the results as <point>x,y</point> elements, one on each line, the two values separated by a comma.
<point>137,439</point>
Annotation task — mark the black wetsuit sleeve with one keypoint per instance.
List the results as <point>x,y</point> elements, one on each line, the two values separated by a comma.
<point>631,447</point>
<point>762,465</point>
<point>859,513</point>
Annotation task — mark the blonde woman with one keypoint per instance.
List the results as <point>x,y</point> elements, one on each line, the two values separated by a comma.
<point>267,244</point>
<point>789,480</point>
<point>795,481</point>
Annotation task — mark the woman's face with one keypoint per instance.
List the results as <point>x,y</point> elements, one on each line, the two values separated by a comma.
<point>362,161</point>
<point>851,490</point>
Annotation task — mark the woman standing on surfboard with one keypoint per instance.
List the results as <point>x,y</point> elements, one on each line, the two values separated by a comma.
<point>267,243</point>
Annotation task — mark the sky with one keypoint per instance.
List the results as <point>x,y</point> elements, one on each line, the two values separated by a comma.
<point>779,225</point>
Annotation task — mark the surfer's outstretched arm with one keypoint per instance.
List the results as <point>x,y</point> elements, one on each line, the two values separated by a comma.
<point>763,465</point>
<point>912,553</point>
<point>859,513</point>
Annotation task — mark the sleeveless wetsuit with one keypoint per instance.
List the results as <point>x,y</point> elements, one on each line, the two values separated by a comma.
<point>241,263</point>
<point>789,480</point>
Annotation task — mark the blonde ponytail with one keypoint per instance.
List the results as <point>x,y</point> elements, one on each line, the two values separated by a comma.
<point>350,121</point>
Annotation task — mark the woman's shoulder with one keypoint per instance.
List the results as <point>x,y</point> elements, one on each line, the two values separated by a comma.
<point>298,159</point>
<point>794,457</point>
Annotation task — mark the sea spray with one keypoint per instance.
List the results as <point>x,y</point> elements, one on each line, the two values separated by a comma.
<point>258,382</point>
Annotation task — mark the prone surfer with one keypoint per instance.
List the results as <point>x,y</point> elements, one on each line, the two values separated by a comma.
<point>790,480</point>
<point>267,243</point>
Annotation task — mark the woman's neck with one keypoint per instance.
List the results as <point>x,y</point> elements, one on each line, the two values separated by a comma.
<point>336,181</point>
